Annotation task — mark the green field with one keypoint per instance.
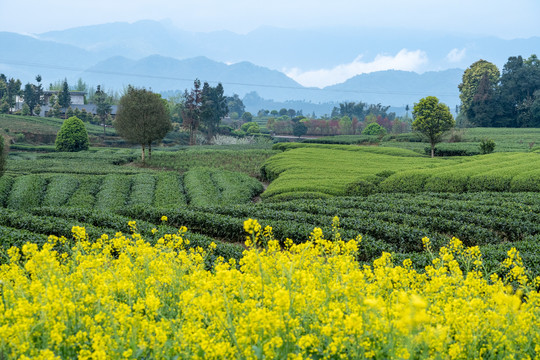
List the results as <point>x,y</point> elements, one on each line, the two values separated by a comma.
<point>321,170</point>
<point>392,196</point>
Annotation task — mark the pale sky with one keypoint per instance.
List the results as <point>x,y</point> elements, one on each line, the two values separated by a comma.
<point>502,18</point>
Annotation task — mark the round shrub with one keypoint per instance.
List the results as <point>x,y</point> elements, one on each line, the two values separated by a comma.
<point>374,129</point>
<point>487,146</point>
<point>72,136</point>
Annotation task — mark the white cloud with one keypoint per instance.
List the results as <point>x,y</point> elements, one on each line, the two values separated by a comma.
<point>455,55</point>
<point>404,60</point>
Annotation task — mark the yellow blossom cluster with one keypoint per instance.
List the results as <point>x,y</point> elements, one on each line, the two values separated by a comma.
<point>122,298</point>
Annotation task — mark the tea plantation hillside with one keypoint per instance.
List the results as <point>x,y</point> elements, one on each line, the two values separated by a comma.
<point>210,190</point>
<point>315,170</point>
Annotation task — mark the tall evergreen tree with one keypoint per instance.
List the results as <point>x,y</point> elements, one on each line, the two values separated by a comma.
<point>103,106</point>
<point>64,97</point>
<point>213,108</point>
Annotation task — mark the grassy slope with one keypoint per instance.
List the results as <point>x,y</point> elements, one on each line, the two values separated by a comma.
<point>42,125</point>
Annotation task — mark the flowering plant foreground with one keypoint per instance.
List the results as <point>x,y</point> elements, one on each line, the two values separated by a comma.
<point>121,297</point>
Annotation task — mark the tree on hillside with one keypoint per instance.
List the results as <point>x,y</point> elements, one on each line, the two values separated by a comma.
<point>191,114</point>
<point>64,97</point>
<point>471,81</point>
<point>235,104</point>
<point>520,80</point>
<point>32,95</point>
<point>432,120</point>
<point>298,127</point>
<point>484,109</point>
<point>351,109</point>
<point>142,118</point>
<point>72,136</point>
<point>103,106</point>
<point>29,97</point>
<point>213,108</point>
<point>13,89</point>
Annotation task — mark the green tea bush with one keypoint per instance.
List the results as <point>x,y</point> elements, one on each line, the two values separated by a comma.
<point>527,181</point>
<point>142,190</point>
<point>6,182</point>
<point>345,140</point>
<point>72,136</point>
<point>114,192</point>
<point>26,192</point>
<point>447,182</point>
<point>3,154</point>
<point>85,195</point>
<point>169,191</point>
<point>406,181</point>
<point>454,149</point>
<point>360,187</point>
<point>59,190</point>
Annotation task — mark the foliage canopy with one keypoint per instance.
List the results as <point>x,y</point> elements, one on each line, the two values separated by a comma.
<point>142,118</point>
<point>72,136</point>
<point>432,119</point>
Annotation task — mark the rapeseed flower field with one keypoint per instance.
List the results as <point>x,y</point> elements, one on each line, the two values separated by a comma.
<point>125,297</point>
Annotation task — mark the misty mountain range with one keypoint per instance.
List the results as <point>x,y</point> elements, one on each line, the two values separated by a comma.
<point>164,58</point>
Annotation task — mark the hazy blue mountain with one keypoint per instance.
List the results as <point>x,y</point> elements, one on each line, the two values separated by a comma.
<point>162,57</point>
<point>164,73</point>
<point>24,57</point>
<point>400,88</point>
<point>290,48</point>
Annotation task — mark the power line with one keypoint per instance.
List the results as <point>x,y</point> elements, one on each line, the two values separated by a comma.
<point>173,78</point>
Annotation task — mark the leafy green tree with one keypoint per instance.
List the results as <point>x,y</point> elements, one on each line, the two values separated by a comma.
<point>345,125</point>
<point>484,109</point>
<point>72,136</point>
<point>247,116</point>
<point>299,128</point>
<point>81,85</point>
<point>291,113</point>
<point>213,108</point>
<point>519,82</point>
<point>30,98</point>
<point>191,113</point>
<point>471,82</point>
<point>142,118</point>
<point>103,104</point>
<point>374,129</point>
<point>432,120</point>
<point>13,89</point>
<point>70,112</point>
<point>246,126</point>
<point>25,110</point>
<point>352,109</point>
<point>175,106</point>
<point>235,104</point>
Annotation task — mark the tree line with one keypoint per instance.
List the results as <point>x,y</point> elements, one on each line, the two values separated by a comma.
<point>510,98</point>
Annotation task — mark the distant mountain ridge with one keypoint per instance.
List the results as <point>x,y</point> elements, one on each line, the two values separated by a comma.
<point>162,57</point>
